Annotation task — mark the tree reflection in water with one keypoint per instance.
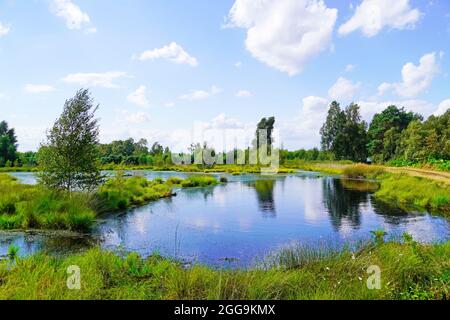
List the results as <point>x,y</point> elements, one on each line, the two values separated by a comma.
<point>343,205</point>
<point>265,195</point>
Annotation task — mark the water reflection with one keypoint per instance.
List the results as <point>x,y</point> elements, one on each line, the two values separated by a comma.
<point>342,204</point>
<point>246,218</point>
<point>265,196</point>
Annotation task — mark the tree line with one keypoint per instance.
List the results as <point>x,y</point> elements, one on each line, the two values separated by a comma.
<point>393,136</point>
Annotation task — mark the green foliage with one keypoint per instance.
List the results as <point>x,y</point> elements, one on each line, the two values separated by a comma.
<point>408,272</point>
<point>384,132</point>
<point>344,133</point>
<point>13,252</point>
<point>131,153</point>
<point>8,145</point>
<point>69,158</point>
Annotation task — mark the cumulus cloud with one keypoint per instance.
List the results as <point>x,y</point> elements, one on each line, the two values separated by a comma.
<point>172,52</point>
<point>139,97</point>
<point>284,34</point>
<point>243,94</point>
<point>201,94</point>
<point>371,16</point>
<point>304,129</point>
<point>369,108</point>
<point>104,80</point>
<point>75,18</point>
<point>442,108</point>
<point>416,79</point>
<point>38,88</point>
<point>4,30</point>
<point>343,89</point>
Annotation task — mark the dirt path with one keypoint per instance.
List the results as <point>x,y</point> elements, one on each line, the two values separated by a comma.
<point>424,173</point>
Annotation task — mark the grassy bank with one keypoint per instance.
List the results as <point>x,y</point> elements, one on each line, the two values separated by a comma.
<point>408,271</point>
<point>36,207</point>
<point>403,189</point>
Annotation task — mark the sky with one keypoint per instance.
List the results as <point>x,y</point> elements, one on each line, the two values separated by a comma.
<point>174,70</point>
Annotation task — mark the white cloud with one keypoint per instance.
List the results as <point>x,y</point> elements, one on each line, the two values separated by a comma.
<point>139,97</point>
<point>350,68</point>
<point>238,64</point>
<point>170,104</point>
<point>343,89</point>
<point>284,34</point>
<point>416,79</point>
<point>243,94</point>
<point>369,108</point>
<point>442,108</point>
<point>75,18</point>
<point>371,16</point>
<point>136,118</point>
<point>201,94</point>
<point>38,88</point>
<point>304,129</point>
<point>4,30</point>
<point>172,52</point>
<point>104,80</point>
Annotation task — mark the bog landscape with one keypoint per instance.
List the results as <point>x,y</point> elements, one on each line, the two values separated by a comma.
<point>115,185</point>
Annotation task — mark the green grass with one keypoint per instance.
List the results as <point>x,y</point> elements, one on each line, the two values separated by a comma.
<point>408,191</point>
<point>408,271</point>
<point>35,207</point>
<point>199,181</point>
<point>120,193</point>
<point>362,171</point>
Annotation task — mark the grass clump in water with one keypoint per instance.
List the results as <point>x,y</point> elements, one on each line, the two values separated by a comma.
<point>199,181</point>
<point>120,193</point>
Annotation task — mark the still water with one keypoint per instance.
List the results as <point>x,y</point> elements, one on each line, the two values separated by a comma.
<point>245,219</point>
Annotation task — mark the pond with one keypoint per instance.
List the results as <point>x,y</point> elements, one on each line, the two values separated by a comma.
<point>235,223</point>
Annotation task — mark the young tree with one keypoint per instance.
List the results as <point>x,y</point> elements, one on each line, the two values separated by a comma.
<point>69,158</point>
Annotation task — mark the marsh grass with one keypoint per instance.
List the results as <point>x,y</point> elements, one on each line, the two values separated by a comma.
<point>35,207</point>
<point>415,192</point>
<point>199,181</point>
<point>120,193</point>
<point>362,171</point>
<point>408,271</point>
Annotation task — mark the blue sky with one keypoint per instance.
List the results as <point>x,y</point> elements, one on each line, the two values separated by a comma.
<point>162,69</point>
